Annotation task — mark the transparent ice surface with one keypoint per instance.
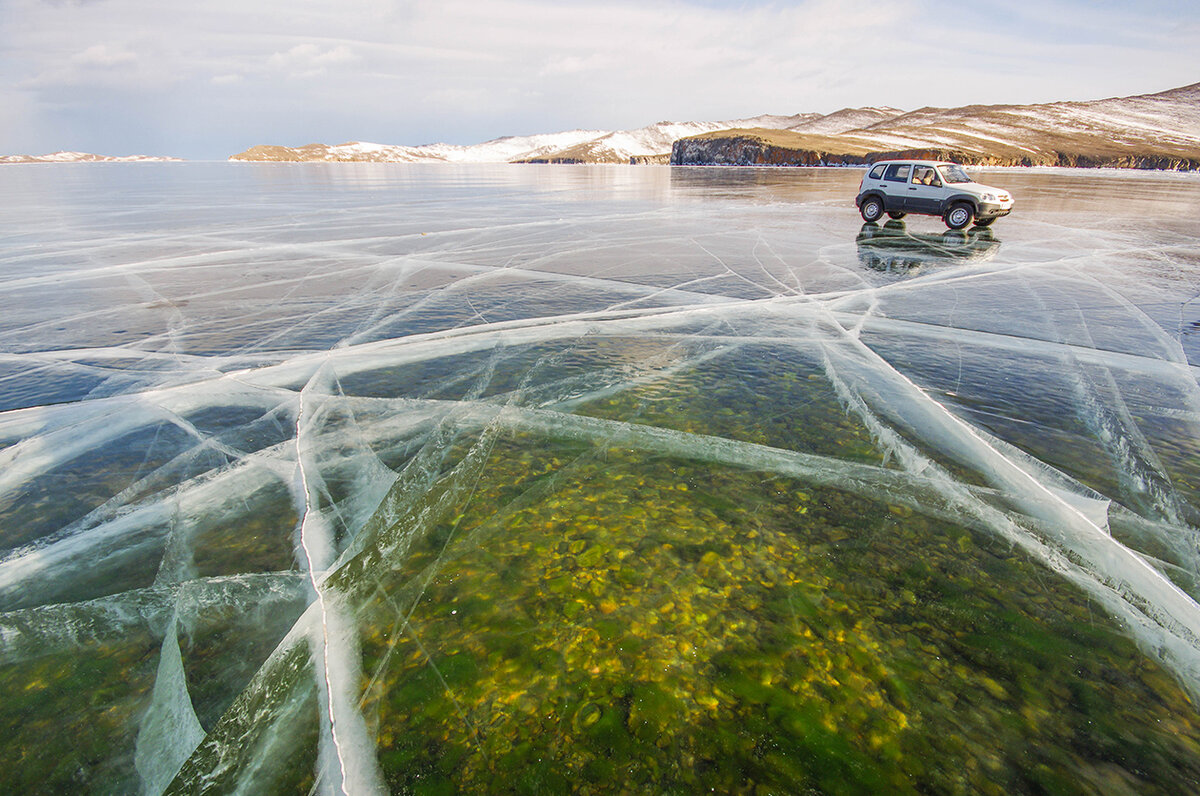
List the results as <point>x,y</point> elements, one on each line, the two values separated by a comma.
<point>300,463</point>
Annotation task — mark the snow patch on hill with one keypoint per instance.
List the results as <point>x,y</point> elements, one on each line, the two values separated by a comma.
<point>845,120</point>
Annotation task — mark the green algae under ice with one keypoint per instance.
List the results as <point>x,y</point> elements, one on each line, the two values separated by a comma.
<point>638,626</point>
<point>556,487</point>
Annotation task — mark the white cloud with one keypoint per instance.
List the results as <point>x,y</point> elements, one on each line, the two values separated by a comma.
<point>124,66</point>
<point>574,65</point>
<point>309,60</point>
<point>104,57</point>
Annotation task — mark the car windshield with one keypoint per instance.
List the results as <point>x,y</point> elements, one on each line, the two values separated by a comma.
<point>953,174</point>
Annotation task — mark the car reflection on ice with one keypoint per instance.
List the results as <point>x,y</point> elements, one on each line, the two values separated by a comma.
<point>891,248</point>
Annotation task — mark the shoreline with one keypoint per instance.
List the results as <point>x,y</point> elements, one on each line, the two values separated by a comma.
<point>1044,169</point>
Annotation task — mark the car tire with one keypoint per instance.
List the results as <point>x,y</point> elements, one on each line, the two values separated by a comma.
<point>895,215</point>
<point>984,222</point>
<point>871,209</point>
<point>959,216</point>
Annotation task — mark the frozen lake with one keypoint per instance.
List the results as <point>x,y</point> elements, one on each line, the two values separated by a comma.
<point>370,478</point>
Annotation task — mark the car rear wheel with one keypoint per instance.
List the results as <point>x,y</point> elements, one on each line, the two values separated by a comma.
<point>984,222</point>
<point>959,216</point>
<point>895,215</point>
<point>871,209</point>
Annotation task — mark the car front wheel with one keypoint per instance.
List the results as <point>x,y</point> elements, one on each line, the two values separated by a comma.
<point>871,209</point>
<point>959,216</point>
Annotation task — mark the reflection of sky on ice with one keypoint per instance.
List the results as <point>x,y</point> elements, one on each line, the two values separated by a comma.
<point>213,378</point>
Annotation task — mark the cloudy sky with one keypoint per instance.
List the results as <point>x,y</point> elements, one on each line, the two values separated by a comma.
<point>207,78</point>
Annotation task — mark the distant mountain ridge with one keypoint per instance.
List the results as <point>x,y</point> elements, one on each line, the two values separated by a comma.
<point>84,157</point>
<point>1160,130</point>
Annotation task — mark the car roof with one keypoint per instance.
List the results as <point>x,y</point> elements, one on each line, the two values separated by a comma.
<point>916,162</point>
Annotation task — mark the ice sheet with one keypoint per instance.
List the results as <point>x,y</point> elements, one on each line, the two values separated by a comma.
<point>269,386</point>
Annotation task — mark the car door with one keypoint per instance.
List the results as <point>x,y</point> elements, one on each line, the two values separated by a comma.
<point>895,182</point>
<point>925,192</point>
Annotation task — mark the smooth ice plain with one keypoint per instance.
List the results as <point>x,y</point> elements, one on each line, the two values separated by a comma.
<point>368,478</point>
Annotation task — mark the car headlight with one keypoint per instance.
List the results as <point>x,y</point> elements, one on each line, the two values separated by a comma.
<point>989,197</point>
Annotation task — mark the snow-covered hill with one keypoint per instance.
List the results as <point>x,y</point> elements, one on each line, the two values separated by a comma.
<point>1147,129</point>
<point>573,146</point>
<point>655,139</point>
<point>1164,119</point>
<point>82,157</point>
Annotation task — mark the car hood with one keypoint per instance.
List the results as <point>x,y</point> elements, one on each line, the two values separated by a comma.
<point>979,189</point>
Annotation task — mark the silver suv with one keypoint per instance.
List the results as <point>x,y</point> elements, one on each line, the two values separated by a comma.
<point>931,188</point>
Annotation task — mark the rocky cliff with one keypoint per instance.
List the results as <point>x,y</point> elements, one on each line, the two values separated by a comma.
<point>761,148</point>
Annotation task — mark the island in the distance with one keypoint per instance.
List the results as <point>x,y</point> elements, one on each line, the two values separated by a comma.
<point>1148,131</point>
<point>85,157</point>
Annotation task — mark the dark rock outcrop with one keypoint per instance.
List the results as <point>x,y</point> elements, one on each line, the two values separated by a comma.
<point>650,160</point>
<point>745,150</point>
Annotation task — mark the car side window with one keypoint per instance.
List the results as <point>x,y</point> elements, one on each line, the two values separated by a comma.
<point>926,175</point>
<point>898,172</point>
<point>877,172</point>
